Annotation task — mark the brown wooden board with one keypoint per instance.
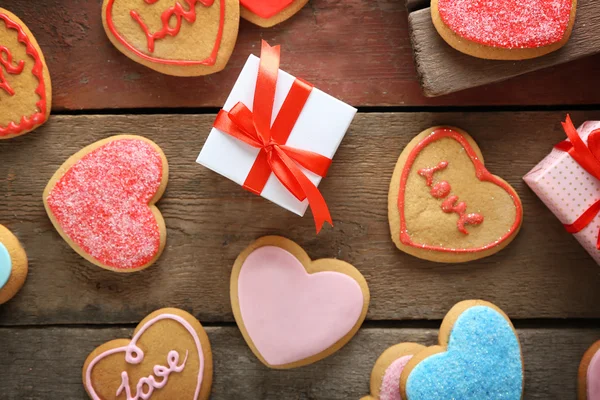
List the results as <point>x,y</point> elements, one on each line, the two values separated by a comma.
<point>544,273</point>
<point>46,363</point>
<point>356,50</point>
<point>444,70</point>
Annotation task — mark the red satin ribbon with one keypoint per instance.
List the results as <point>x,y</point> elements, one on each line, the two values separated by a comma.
<point>254,128</point>
<point>581,153</point>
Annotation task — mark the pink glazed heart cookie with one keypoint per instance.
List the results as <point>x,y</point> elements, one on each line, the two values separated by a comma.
<point>267,13</point>
<point>101,201</point>
<point>385,377</point>
<point>293,311</point>
<point>589,374</point>
<point>444,205</point>
<point>504,29</point>
<point>169,357</point>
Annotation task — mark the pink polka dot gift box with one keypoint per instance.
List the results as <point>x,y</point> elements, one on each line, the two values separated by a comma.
<point>568,182</point>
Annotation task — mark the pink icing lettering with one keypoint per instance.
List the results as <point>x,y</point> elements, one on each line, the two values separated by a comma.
<point>427,173</point>
<point>440,190</point>
<point>6,60</point>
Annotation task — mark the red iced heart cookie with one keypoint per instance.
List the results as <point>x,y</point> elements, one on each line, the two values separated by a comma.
<point>183,38</point>
<point>169,357</point>
<point>293,311</point>
<point>504,29</point>
<point>25,89</point>
<point>444,205</point>
<point>267,13</point>
<point>101,201</point>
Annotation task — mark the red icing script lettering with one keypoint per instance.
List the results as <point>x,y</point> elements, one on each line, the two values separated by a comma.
<point>176,11</point>
<point>441,190</point>
<point>6,60</point>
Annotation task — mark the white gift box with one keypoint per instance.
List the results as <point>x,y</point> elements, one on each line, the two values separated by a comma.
<point>320,128</point>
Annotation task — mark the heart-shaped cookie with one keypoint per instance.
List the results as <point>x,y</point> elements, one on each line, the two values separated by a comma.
<point>267,13</point>
<point>589,374</point>
<point>293,311</point>
<point>169,357</point>
<point>504,29</point>
<point>13,265</point>
<point>478,357</point>
<point>444,205</point>
<point>182,38</point>
<point>101,201</point>
<point>25,88</point>
<point>385,377</point>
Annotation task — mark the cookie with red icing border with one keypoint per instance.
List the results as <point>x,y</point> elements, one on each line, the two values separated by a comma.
<point>267,13</point>
<point>293,311</point>
<point>385,377</point>
<point>25,88</point>
<point>504,29</point>
<point>13,265</point>
<point>589,374</point>
<point>168,357</point>
<point>444,205</point>
<point>101,201</point>
<point>182,38</point>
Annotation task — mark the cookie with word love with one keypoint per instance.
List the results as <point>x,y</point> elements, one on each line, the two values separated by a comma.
<point>168,357</point>
<point>13,265</point>
<point>385,377</point>
<point>444,205</point>
<point>504,29</point>
<point>25,88</point>
<point>478,357</point>
<point>271,12</point>
<point>589,374</point>
<point>182,38</point>
<point>101,201</point>
<point>291,310</point>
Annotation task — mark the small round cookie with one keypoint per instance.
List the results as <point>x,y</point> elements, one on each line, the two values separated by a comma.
<point>13,265</point>
<point>293,311</point>
<point>188,38</point>
<point>271,12</point>
<point>25,88</point>
<point>169,357</point>
<point>589,374</point>
<point>385,377</point>
<point>478,357</point>
<point>504,29</point>
<point>101,201</point>
<point>444,205</point>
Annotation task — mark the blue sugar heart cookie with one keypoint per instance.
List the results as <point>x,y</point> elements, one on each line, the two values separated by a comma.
<point>482,362</point>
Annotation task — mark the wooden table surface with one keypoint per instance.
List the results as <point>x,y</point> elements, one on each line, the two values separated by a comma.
<point>357,51</point>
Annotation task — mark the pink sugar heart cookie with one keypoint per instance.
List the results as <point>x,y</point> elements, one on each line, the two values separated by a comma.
<point>504,29</point>
<point>293,311</point>
<point>101,201</point>
<point>589,374</point>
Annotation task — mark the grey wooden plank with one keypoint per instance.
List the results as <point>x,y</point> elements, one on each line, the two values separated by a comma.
<point>444,70</point>
<point>544,273</point>
<point>44,363</point>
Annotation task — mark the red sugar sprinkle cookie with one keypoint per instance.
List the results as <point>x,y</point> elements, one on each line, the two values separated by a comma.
<point>267,13</point>
<point>504,29</point>
<point>101,201</point>
<point>25,88</point>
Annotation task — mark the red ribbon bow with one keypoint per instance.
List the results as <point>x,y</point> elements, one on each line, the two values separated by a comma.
<point>254,128</point>
<point>588,157</point>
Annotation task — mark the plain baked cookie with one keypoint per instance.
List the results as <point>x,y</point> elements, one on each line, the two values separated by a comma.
<point>293,311</point>
<point>187,38</point>
<point>504,29</point>
<point>385,377</point>
<point>25,88</point>
<point>589,374</point>
<point>444,205</point>
<point>478,357</point>
<point>101,201</point>
<point>169,357</point>
<point>267,13</point>
<point>13,265</point>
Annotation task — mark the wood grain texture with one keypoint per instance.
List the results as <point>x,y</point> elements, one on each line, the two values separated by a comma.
<point>544,273</point>
<point>356,50</point>
<point>412,5</point>
<point>37,362</point>
<point>444,70</point>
